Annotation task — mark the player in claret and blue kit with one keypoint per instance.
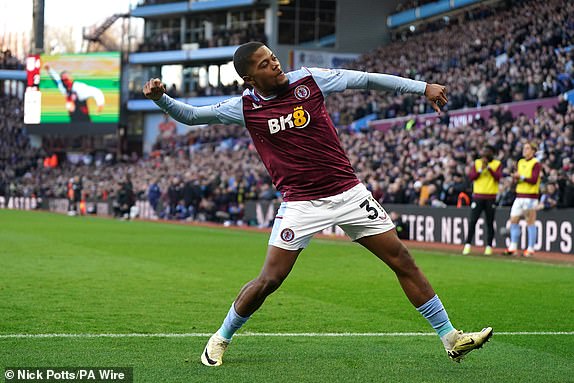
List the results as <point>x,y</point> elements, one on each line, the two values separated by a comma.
<point>286,117</point>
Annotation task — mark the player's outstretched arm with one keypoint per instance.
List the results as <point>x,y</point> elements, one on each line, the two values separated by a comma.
<point>350,79</point>
<point>155,90</point>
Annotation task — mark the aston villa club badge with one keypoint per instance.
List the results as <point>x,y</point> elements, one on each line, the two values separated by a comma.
<point>302,92</point>
<point>287,235</point>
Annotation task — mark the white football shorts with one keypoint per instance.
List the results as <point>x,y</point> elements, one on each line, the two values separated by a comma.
<point>520,206</point>
<point>355,211</point>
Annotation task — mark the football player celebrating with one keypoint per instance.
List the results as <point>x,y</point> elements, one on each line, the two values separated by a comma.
<point>286,117</point>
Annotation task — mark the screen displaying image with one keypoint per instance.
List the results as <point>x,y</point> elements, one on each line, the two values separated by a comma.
<point>75,91</point>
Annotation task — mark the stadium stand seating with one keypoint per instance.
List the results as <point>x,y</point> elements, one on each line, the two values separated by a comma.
<point>520,52</point>
<point>17,157</point>
<point>422,166</point>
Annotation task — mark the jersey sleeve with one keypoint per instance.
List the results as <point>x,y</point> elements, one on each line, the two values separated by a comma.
<point>533,179</point>
<point>329,80</point>
<point>337,80</point>
<point>229,111</point>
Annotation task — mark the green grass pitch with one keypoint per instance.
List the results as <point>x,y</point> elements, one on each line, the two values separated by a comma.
<point>73,275</point>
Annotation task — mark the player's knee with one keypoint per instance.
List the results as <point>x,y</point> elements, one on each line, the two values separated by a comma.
<point>268,284</point>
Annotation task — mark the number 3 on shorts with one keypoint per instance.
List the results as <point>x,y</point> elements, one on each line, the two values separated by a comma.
<point>373,213</point>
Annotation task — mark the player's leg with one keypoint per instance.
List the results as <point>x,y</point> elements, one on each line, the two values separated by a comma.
<point>530,216</point>
<point>293,229</point>
<point>476,208</point>
<point>366,222</point>
<point>387,247</point>
<point>489,212</point>
<point>515,213</point>
<point>277,266</point>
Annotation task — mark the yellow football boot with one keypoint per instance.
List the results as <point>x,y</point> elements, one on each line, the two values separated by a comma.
<point>462,343</point>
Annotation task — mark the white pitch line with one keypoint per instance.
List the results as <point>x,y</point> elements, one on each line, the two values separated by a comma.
<point>256,334</point>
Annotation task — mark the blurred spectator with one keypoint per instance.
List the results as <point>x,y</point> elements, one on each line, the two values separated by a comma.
<point>154,195</point>
<point>191,195</point>
<point>125,200</point>
<point>401,226</point>
<point>549,198</point>
<point>567,199</point>
<point>8,61</point>
<point>75,191</point>
<point>174,195</point>
<point>507,194</point>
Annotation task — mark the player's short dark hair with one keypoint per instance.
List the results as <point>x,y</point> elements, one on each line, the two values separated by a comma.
<point>491,148</point>
<point>242,57</point>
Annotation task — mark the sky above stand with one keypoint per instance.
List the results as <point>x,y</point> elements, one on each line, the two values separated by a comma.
<point>69,15</point>
<point>16,16</point>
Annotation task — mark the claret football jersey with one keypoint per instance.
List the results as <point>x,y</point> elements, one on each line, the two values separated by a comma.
<point>292,131</point>
<point>295,136</point>
<point>297,141</point>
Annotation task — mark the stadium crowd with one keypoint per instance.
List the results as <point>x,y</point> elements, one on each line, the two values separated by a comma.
<point>16,154</point>
<point>9,61</point>
<point>520,51</point>
<point>209,173</point>
<point>502,53</point>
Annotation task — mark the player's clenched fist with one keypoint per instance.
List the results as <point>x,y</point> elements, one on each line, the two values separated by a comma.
<point>153,89</point>
<point>436,94</point>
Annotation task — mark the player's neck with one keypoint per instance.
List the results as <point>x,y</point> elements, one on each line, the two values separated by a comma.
<point>266,95</point>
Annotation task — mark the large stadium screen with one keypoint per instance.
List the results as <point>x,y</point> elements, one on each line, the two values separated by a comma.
<point>73,93</point>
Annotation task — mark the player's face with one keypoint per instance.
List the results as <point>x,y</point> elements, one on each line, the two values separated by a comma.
<point>266,74</point>
<point>487,153</point>
<point>528,151</point>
